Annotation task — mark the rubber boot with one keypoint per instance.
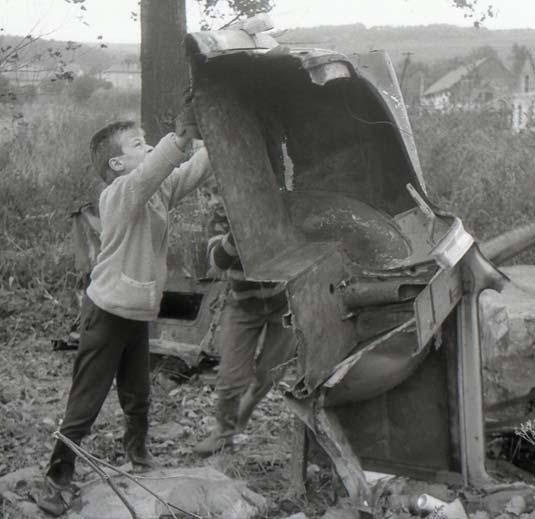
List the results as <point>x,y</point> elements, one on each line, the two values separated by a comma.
<point>249,400</point>
<point>58,491</point>
<point>134,442</point>
<point>222,437</point>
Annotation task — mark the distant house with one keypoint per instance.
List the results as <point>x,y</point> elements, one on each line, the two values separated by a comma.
<point>523,95</point>
<point>485,82</point>
<point>125,75</point>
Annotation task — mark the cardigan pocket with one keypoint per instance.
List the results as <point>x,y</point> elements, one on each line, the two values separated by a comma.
<point>131,294</point>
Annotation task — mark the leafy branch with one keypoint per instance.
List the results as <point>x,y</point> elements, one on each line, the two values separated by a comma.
<point>473,11</point>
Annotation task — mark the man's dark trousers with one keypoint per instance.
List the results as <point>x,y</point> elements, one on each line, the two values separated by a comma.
<point>110,346</point>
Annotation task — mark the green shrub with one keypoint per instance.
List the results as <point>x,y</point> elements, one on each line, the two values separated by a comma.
<point>82,87</point>
<point>478,169</point>
<point>46,175</point>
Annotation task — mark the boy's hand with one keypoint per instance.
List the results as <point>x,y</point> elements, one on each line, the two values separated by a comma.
<point>186,122</point>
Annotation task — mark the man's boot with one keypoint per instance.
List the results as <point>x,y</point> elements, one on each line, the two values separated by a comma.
<point>249,400</point>
<point>222,437</point>
<point>135,442</point>
<point>248,403</point>
<point>58,491</point>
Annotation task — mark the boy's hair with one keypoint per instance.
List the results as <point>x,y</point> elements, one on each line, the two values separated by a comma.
<point>104,145</point>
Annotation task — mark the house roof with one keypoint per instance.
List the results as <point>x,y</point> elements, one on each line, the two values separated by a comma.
<point>453,77</point>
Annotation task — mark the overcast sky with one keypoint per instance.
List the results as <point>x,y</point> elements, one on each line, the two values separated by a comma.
<point>111,18</point>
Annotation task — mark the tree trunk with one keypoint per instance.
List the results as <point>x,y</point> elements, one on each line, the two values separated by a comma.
<point>164,70</point>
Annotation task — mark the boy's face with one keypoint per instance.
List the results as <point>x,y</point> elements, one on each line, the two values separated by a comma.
<point>134,148</point>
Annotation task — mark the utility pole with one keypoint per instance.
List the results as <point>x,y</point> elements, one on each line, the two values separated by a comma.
<point>404,71</point>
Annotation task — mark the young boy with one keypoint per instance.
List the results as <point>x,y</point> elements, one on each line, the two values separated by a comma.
<point>125,290</point>
<point>251,318</point>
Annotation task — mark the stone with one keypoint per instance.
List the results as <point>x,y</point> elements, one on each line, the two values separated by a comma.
<point>516,506</point>
<point>196,489</point>
<point>341,513</point>
<point>166,431</point>
<point>201,490</point>
<point>213,495</point>
<point>480,514</point>
<point>28,475</point>
<point>344,509</point>
<point>508,336</point>
<point>497,502</point>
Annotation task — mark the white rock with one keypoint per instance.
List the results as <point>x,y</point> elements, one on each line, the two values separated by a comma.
<point>516,506</point>
<point>201,490</point>
<point>508,336</point>
<point>214,495</point>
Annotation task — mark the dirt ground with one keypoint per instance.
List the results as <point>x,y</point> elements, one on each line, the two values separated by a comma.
<point>34,383</point>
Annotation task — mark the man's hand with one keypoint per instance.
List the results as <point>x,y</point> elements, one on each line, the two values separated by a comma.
<point>186,123</point>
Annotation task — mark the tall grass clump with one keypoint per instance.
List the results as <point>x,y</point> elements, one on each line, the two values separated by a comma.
<point>477,168</point>
<point>45,175</point>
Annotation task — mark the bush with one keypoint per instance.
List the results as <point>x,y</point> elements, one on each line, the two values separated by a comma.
<point>52,86</point>
<point>82,87</point>
<point>45,176</point>
<point>477,169</point>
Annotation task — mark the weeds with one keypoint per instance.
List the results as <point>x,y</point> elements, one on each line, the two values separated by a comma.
<point>526,431</point>
<point>45,175</point>
<point>478,169</point>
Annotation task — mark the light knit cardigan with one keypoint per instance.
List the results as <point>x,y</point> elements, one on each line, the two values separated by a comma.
<point>130,273</point>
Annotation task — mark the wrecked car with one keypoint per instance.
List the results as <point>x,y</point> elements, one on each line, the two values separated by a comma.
<point>319,173</point>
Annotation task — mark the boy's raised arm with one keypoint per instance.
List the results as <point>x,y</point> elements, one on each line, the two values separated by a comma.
<point>189,176</point>
<point>135,189</point>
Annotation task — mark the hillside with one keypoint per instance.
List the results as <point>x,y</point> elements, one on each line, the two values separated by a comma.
<point>84,56</point>
<point>428,44</point>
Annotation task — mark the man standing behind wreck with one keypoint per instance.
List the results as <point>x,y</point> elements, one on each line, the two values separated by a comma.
<point>253,344</point>
<point>125,289</point>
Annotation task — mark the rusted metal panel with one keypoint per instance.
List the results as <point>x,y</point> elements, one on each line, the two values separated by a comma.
<point>406,429</point>
<point>363,137</point>
<point>361,292</point>
<point>348,216</point>
<point>376,367</point>
<point>422,232</point>
<point>435,302</point>
<point>378,69</point>
<point>210,43</point>
<point>324,338</point>
<point>251,193</point>
<point>191,318</point>
<point>369,237</point>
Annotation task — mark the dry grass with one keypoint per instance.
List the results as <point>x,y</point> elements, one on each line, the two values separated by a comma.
<point>478,169</point>
<point>44,176</point>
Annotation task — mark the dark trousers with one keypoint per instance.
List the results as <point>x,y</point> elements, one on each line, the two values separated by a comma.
<point>110,347</point>
<point>241,334</point>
